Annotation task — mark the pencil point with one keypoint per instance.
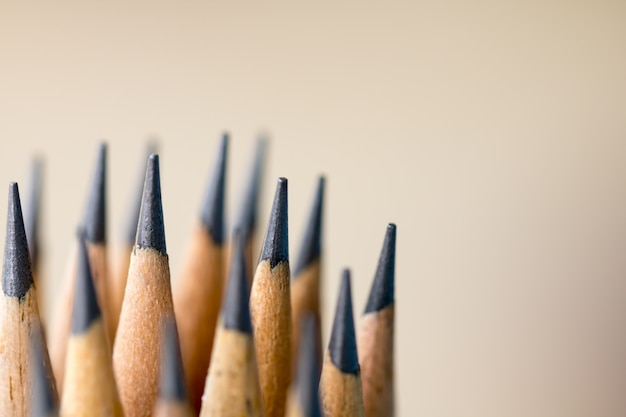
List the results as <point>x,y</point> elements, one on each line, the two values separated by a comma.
<point>86,308</point>
<point>382,292</point>
<point>247,216</point>
<point>172,379</point>
<point>308,368</point>
<point>94,222</point>
<point>150,228</point>
<point>213,209</point>
<point>276,244</point>
<point>45,402</point>
<point>312,242</point>
<point>342,346</point>
<point>236,308</point>
<point>32,215</point>
<point>17,277</point>
<point>131,225</point>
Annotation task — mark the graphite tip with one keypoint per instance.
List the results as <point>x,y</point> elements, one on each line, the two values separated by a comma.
<point>248,212</point>
<point>151,228</point>
<point>312,242</point>
<point>86,308</point>
<point>45,402</point>
<point>94,221</point>
<point>382,292</point>
<point>213,208</point>
<point>236,309</point>
<point>342,345</point>
<point>308,368</point>
<point>17,276</point>
<point>131,222</point>
<point>172,377</point>
<point>33,209</point>
<point>276,244</point>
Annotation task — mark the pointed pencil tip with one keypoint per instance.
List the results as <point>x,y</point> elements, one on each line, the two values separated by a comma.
<point>151,147</point>
<point>308,368</point>
<point>236,310</point>
<point>33,210</point>
<point>17,276</point>
<point>151,228</point>
<point>172,378</point>
<point>247,219</point>
<point>95,216</point>
<point>213,209</point>
<point>45,401</point>
<point>312,242</point>
<point>382,292</point>
<point>342,346</point>
<point>86,308</point>
<point>276,244</point>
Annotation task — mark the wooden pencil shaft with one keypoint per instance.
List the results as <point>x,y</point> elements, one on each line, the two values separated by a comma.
<point>341,394</point>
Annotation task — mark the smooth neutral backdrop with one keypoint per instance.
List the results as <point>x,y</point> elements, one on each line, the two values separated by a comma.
<point>493,133</point>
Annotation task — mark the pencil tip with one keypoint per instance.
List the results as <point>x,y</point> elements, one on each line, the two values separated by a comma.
<point>172,378</point>
<point>382,292</point>
<point>236,310</point>
<point>33,210</point>
<point>45,401</point>
<point>312,242</point>
<point>248,215</point>
<point>213,209</point>
<point>94,222</point>
<point>17,276</point>
<point>151,147</point>
<point>308,368</point>
<point>276,244</point>
<point>151,228</point>
<point>86,308</point>
<point>342,346</point>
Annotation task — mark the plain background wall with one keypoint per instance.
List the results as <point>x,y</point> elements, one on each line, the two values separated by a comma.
<point>492,133</point>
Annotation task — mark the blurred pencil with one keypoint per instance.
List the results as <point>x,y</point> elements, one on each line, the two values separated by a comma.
<point>45,402</point>
<point>147,303</point>
<point>340,383</point>
<point>198,293</point>
<point>19,317</point>
<point>90,388</point>
<point>232,384</point>
<point>304,398</point>
<point>376,334</point>
<point>32,220</point>
<point>305,285</point>
<point>271,308</point>
<point>172,399</point>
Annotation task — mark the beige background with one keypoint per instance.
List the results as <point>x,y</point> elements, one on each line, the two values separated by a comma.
<point>493,133</point>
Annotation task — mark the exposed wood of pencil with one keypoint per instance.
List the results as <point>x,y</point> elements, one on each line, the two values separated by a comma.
<point>306,282</point>
<point>172,400</point>
<point>19,317</point>
<point>90,387</point>
<point>198,292</point>
<point>270,306</point>
<point>341,391</point>
<point>44,396</point>
<point>32,220</point>
<point>232,385</point>
<point>376,335</point>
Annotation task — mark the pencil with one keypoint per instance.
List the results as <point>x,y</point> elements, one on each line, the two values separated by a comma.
<point>270,306</point>
<point>305,284</point>
<point>32,218</point>
<point>232,384</point>
<point>376,334</point>
<point>45,402</point>
<point>94,224</point>
<point>304,398</point>
<point>19,316</point>
<point>198,292</point>
<point>90,388</point>
<point>172,399</point>
<point>147,303</point>
<point>247,219</point>
<point>118,280</point>
<point>340,384</point>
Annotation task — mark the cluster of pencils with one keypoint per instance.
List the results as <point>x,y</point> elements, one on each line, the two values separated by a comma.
<point>228,340</point>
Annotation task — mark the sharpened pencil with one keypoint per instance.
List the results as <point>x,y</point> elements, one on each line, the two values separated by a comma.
<point>172,400</point>
<point>340,383</point>
<point>304,398</point>
<point>306,282</point>
<point>198,292</point>
<point>232,385</point>
<point>376,334</point>
<point>147,303</point>
<point>32,219</point>
<point>90,388</point>
<point>19,317</point>
<point>44,396</point>
<point>270,306</point>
